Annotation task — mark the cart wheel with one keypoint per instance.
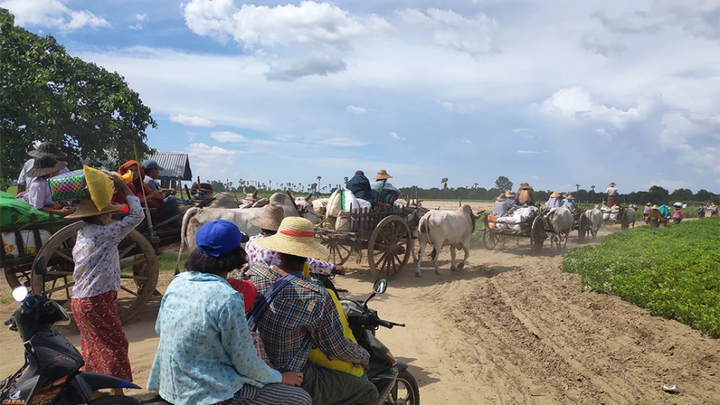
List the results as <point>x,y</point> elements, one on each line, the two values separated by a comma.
<point>583,228</point>
<point>537,234</point>
<point>138,270</point>
<point>340,250</point>
<point>490,239</point>
<point>389,247</point>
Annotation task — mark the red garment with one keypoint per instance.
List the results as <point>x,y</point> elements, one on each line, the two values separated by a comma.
<point>611,201</point>
<point>102,341</point>
<point>247,289</point>
<point>137,186</point>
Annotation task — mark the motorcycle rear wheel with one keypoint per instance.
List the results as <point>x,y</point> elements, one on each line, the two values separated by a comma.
<point>410,391</point>
<point>114,400</point>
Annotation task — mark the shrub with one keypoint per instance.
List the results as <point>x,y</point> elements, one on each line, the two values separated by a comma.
<point>674,272</point>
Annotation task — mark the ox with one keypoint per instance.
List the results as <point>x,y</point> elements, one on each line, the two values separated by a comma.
<point>561,222</point>
<point>195,217</point>
<point>595,216</point>
<point>441,228</point>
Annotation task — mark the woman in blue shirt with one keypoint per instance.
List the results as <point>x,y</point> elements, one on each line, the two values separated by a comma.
<point>206,353</point>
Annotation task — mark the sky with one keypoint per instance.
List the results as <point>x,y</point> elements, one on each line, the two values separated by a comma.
<point>552,92</point>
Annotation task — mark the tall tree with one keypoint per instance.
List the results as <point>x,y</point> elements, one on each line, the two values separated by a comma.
<point>346,179</point>
<point>444,182</point>
<point>48,95</point>
<point>503,184</point>
<point>577,187</point>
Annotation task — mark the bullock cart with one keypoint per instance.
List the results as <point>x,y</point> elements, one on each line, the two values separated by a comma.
<point>387,234</point>
<point>533,227</point>
<point>581,223</point>
<point>138,260</point>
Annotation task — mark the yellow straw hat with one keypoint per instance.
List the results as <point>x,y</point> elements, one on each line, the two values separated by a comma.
<point>501,197</point>
<point>382,175</point>
<point>87,208</point>
<point>554,195</point>
<point>296,236</point>
<point>509,194</point>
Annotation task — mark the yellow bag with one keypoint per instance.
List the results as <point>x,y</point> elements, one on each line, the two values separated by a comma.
<point>100,186</point>
<point>318,358</point>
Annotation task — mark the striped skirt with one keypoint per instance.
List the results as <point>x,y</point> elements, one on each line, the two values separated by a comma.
<point>102,341</point>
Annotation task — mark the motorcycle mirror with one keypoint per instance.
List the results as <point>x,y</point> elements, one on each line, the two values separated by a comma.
<point>20,293</point>
<point>40,267</point>
<point>380,286</point>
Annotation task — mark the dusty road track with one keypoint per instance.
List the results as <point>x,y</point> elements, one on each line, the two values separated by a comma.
<point>509,329</point>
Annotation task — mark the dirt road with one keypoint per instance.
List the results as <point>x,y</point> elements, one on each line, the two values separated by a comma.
<point>509,329</point>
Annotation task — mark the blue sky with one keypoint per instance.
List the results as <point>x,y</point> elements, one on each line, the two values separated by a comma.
<point>550,92</point>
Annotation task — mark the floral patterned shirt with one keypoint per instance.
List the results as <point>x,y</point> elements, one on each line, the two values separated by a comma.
<point>96,255</point>
<point>206,351</point>
<point>260,255</point>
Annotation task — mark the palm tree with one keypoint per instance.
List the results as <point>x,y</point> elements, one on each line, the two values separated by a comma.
<point>593,193</point>
<point>346,180</point>
<point>318,182</point>
<point>444,182</point>
<point>577,187</point>
<point>475,185</point>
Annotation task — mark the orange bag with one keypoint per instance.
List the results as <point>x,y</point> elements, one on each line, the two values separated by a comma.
<point>491,221</point>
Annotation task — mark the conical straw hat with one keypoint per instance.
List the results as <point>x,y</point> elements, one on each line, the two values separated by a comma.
<point>296,236</point>
<point>87,208</point>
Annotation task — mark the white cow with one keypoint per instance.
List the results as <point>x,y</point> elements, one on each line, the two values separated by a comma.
<point>195,217</point>
<point>595,216</point>
<point>630,214</point>
<point>320,206</point>
<point>561,221</point>
<point>442,228</point>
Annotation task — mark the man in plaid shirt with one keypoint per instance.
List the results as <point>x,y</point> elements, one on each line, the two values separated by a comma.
<point>303,316</point>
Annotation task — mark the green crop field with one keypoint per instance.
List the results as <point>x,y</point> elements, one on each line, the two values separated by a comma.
<point>674,272</point>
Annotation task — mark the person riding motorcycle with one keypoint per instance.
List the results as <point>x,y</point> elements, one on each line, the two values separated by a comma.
<point>206,353</point>
<point>303,315</point>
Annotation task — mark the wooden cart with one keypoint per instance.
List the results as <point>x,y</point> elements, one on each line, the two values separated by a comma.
<point>138,261</point>
<point>532,227</point>
<point>581,223</point>
<point>387,234</point>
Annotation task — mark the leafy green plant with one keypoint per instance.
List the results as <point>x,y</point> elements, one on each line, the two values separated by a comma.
<point>674,272</point>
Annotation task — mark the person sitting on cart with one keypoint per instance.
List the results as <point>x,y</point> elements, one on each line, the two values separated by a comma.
<point>360,187</point>
<point>569,203</point>
<point>525,195</point>
<point>152,172</point>
<point>512,200</point>
<point>141,190</point>
<point>613,195</point>
<point>269,223</point>
<point>383,191</point>
<point>38,194</point>
<point>45,148</point>
<point>206,353</point>
<point>553,201</point>
<point>303,315</point>
<point>502,206</point>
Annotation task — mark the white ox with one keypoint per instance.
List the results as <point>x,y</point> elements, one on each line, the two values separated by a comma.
<point>595,216</point>
<point>442,228</point>
<point>195,217</point>
<point>561,221</point>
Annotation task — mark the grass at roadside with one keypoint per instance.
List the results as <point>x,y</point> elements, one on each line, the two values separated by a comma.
<point>674,272</point>
<point>166,261</point>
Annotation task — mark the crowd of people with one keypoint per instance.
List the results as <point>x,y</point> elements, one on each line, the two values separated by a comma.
<point>380,193</point>
<point>525,198</point>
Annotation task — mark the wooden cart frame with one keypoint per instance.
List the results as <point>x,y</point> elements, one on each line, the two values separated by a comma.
<point>388,236</point>
<point>533,228</point>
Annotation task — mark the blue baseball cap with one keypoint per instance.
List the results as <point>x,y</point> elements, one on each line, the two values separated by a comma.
<point>151,164</point>
<point>219,237</point>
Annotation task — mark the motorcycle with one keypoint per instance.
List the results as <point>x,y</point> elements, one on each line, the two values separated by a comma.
<point>51,373</point>
<point>391,377</point>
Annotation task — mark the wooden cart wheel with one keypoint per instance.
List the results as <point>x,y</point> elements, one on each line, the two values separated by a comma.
<point>340,250</point>
<point>537,234</point>
<point>583,228</point>
<point>490,239</point>
<point>138,270</point>
<point>389,247</point>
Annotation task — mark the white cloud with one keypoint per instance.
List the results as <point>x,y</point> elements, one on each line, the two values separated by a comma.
<point>594,45</point>
<point>521,130</point>
<point>312,64</point>
<point>137,27</point>
<point>527,152</point>
<point>141,17</point>
<point>52,13</point>
<point>342,142</point>
<point>250,25</point>
<point>467,141</point>
<point>474,36</point>
<point>396,137</point>
<point>227,136</point>
<point>667,184</point>
<point>353,109</point>
<point>208,160</point>
<point>446,105</point>
<point>192,121</point>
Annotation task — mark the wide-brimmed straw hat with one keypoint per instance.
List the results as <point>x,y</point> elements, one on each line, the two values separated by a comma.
<point>270,219</point>
<point>525,186</point>
<point>554,195</point>
<point>654,207</point>
<point>502,197</point>
<point>87,208</point>
<point>47,148</point>
<point>570,197</point>
<point>382,175</point>
<point>612,184</point>
<point>295,236</point>
<point>45,164</point>
<point>648,204</point>
<point>509,194</point>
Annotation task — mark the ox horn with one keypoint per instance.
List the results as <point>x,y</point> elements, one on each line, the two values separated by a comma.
<point>308,197</point>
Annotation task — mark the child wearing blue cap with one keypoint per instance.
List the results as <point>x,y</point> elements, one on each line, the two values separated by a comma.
<point>206,353</point>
